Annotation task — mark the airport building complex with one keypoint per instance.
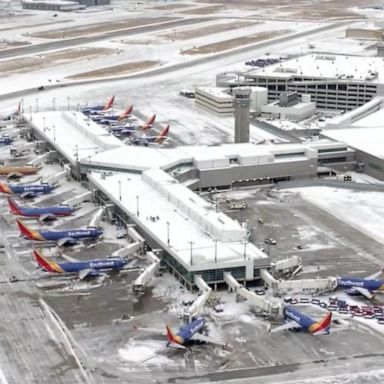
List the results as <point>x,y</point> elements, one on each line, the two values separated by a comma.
<point>153,188</point>
<point>333,81</point>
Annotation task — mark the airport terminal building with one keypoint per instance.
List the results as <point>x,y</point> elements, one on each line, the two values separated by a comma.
<point>154,189</point>
<point>340,82</point>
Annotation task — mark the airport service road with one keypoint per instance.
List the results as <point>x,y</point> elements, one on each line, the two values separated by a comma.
<point>171,70</point>
<point>66,43</point>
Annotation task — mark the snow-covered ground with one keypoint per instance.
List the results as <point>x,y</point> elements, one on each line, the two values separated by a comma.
<point>361,210</point>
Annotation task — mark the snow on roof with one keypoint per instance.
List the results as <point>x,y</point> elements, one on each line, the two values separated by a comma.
<point>319,66</point>
<point>73,133</point>
<point>187,221</point>
<point>202,157</point>
<point>218,92</point>
<point>366,134</point>
<point>369,140</point>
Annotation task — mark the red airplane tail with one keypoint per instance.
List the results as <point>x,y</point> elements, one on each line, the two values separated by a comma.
<point>109,103</point>
<point>45,264</point>
<point>324,324</point>
<point>126,113</point>
<point>28,233</point>
<point>13,207</point>
<point>148,124</point>
<point>171,336</point>
<point>163,135</point>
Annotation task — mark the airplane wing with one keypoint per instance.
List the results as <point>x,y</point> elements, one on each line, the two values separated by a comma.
<point>86,272</point>
<point>374,275</point>
<point>289,325</point>
<point>364,292</point>
<point>68,258</point>
<point>65,241</point>
<point>14,175</point>
<point>47,217</point>
<point>28,195</point>
<point>207,339</point>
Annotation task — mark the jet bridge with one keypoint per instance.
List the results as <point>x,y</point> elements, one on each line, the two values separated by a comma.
<point>75,202</point>
<point>270,306</point>
<point>197,307</point>
<point>128,250</point>
<point>283,286</point>
<point>55,179</point>
<point>140,284</point>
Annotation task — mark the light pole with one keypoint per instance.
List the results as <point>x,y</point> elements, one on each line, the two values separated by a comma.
<point>37,104</point>
<point>137,206</point>
<point>168,240</point>
<point>54,133</point>
<point>44,123</point>
<point>68,103</point>
<point>215,250</point>
<point>191,244</point>
<point>22,105</point>
<point>119,190</point>
<point>54,103</point>
<point>30,113</point>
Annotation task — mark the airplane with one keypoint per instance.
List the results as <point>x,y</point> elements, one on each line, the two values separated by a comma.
<point>5,140</point>
<point>26,190</point>
<point>147,140</point>
<point>97,108</point>
<point>62,238</point>
<point>358,286</point>
<point>188,333</point>
<point>129,128</point>
<point>299,321</point>
<point>18,171</point>
<point>90,268</point>
<point>41,213</point>
<point>107,119</point>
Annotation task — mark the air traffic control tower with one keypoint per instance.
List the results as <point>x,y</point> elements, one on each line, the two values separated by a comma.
<point>241,102</point>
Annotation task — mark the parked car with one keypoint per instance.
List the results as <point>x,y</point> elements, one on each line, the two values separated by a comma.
<point>270,241</point>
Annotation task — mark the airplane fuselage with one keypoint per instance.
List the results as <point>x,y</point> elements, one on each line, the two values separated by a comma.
<point>37,189</point>
<point>5,140</point>
<point>371,285</point>
<point>38,212</point>
<point>187,331</point>
<point>304,321</point>
<point>94,265</point>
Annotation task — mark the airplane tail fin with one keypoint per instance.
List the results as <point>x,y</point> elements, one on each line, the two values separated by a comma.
<point>13,207</point>
<point>163,135</point>
<point>109,103</point>
<point>46,264</point>
<point>126,113</point>
<point>170,335</point>
<point>148,124</point>
<point>25,231</point>
<point>324,324</point>
<point>4,188</point>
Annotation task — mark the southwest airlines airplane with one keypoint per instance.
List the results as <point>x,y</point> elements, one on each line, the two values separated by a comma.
<point>41,213</point>
<point>26,190</point>
<point>65,237</point>
<point>188,333</point>
<point>90,268</point>
<point>98,108</point>
<point>297,320</point>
